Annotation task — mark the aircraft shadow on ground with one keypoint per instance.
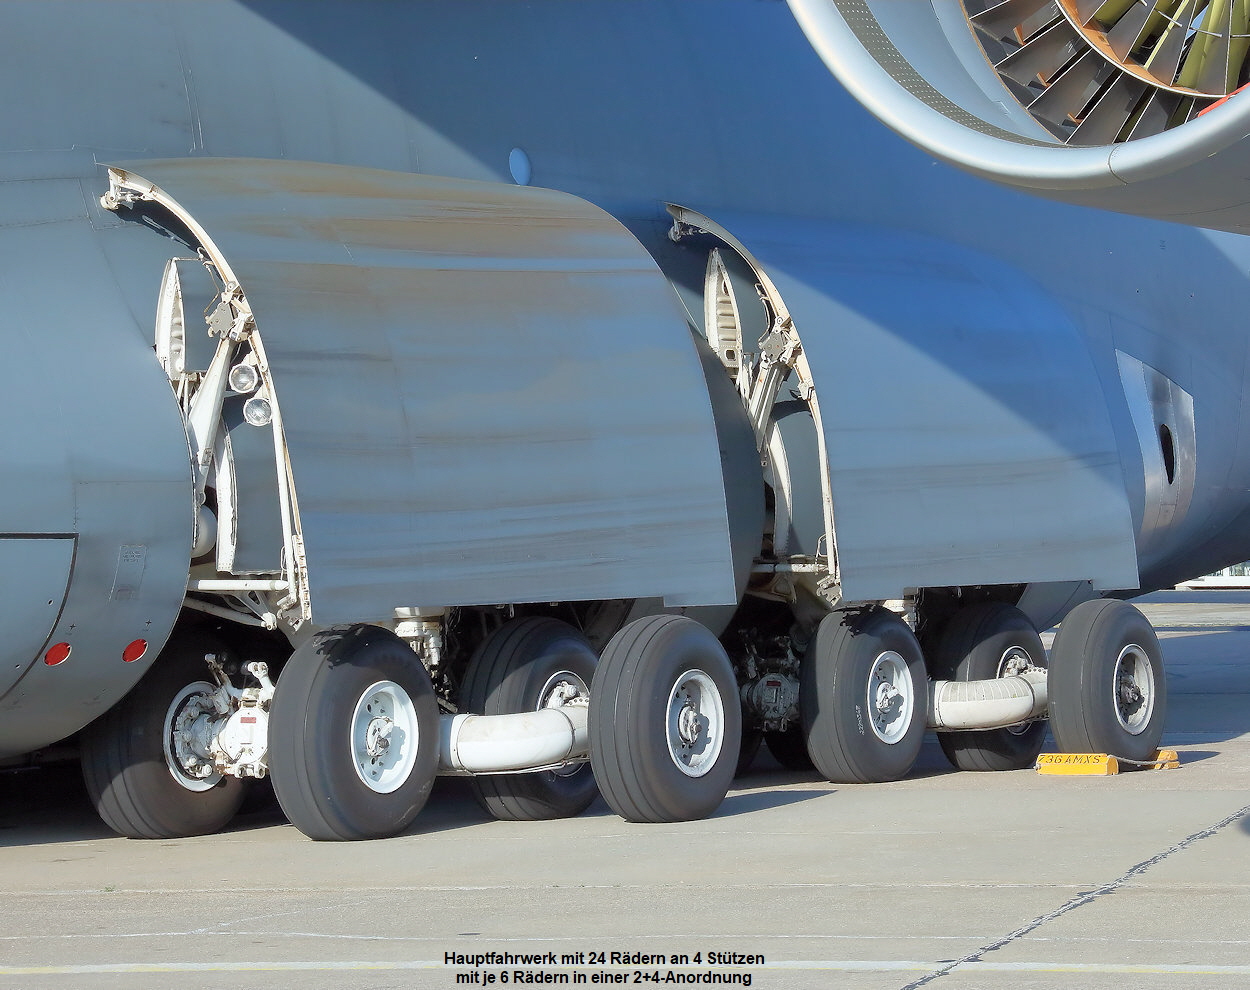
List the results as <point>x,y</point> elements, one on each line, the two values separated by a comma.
<point>50,805</point>
<point>47,805</point>
<point>746,801</point>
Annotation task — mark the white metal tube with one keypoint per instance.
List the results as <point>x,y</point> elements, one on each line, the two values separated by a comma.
<point>787,568</point>
<point>235,584</point>
<point>228,613</point>
<point>988,704</point>
<point>510,743</point>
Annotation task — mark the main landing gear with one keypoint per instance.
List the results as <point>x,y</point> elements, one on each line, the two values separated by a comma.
<point>866,701</point>
<point>353,736</point>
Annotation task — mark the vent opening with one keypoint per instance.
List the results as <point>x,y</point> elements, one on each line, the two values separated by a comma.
<point>1168,448</point>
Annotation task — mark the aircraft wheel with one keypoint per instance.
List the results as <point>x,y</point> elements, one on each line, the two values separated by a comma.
<point>665,721</point>
<point>1106,684</point>
<point>354,735</point>
<point>524,666</point>
<point>984,641</point>
<point>789,748</point>
<point>144,784</point>
<point>863,696</point>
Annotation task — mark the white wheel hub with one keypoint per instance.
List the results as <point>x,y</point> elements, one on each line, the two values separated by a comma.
<point>384,737</point>
<point>1134,688</point>
<point>891,697</point>
<point>562,688</point>
<point>1015,661</point>
<point>187,737</point>
<point>695,723</point>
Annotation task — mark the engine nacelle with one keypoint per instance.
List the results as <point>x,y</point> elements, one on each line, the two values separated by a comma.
<point>1126,105</point>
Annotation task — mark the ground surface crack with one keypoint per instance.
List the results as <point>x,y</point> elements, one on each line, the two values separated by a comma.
<point>1080,900</point>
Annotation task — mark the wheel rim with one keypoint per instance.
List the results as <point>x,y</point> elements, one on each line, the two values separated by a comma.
<point>561,687</point>
<point>385,737</point>
<point>185,742</point>
<point>891,697</point>
<point>1016,660</point>
<point>695,724</point>
<point>1134,687</point>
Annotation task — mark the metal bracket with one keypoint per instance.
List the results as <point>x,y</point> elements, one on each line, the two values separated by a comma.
<point>680,229</point>
<point>421,627</point>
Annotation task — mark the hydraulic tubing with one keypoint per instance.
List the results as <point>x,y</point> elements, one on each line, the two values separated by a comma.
<point>514,743</point>
<point>988,704</point>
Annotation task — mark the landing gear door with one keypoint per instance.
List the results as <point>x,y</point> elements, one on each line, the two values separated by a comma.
<point>966,427</point>
<point>481,393</point>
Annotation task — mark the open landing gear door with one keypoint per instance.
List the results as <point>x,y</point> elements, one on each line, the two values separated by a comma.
<point>487,393</point>
<point>967,434</point>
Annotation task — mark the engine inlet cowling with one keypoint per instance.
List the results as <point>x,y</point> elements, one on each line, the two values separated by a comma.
<point>1128,105</point>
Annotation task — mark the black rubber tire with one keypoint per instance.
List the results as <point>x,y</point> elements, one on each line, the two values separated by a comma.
<point>310,725</point>
<point>833,699</point>
<point>1081,683</point>
<point>506,675</point>
<point>123,755</point>
<point>789,748</point>
<point>629,701</point>
<point>971,648</point>
<point>748,749</point>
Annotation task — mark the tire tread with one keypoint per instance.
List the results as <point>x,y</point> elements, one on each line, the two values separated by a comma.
<point>621,713</point>
<point>987,750</point>
<point>123,762</point>
<point>1083,641</point>
<point>836,749</point>
<point>491,687</point>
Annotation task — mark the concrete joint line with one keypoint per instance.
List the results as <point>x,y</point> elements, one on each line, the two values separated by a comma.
<point>1078,901</point>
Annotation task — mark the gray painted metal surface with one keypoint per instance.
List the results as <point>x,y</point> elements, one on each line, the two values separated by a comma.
<point>749,120</point>
<point>968,434</point>
<point>490,393</point>
<point>92,447</point>
<point>34,576</point>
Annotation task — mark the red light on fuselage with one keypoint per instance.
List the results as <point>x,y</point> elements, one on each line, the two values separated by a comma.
<point>135,650</point>
<point>57,654</point>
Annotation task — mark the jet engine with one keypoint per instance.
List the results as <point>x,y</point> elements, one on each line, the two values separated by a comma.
<point>1126,105</point>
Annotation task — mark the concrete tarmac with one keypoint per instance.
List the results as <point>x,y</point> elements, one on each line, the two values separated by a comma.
<point>946,879</point>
